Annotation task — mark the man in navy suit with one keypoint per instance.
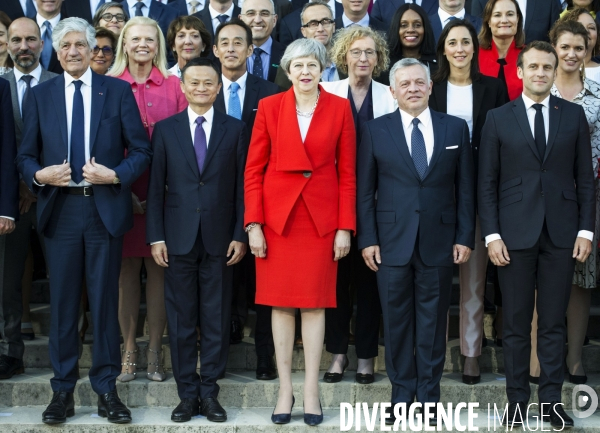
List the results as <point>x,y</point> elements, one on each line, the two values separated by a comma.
<point>419,165</point>
<point>48,16</point>
<point>290,27</point>
<point>14,9</point>
<point>154,9</point>
<point>450,10</point>
<point>217,12</point>
<point>197,234</point>
<point>384,10</point>
<point>78,127</point>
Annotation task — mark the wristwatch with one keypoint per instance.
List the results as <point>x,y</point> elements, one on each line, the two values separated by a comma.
<point>116,180</point>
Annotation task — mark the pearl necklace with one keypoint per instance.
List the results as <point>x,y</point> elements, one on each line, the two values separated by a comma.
<point>309,113</point>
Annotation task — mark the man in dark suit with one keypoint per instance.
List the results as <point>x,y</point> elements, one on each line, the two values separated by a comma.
<point>81,8</point>
<point>197,233</point>
<point>24,46</point>
<point>356,14</point>
<point>232,48</point>
<point>217,12</point>
<point>78,127</point>
<point>14,9</point>
<point>384,10</point>
<point>187,7</point>
<point>290,27</point>
<point>450,10</point>
<point>154,9</point>
<point>539,16</point>
<point>260,16</point>
<point>48,16</point>
<point>537,211</point>
<point>419,165</point>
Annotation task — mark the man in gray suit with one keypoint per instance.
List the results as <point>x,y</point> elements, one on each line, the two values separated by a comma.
<point>25,46</point>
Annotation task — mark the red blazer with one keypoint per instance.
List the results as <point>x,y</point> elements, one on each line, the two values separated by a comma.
<point>488,65</point>
<point>280,168</point>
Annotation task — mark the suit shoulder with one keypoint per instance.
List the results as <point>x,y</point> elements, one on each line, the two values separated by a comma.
<point>43,87</point>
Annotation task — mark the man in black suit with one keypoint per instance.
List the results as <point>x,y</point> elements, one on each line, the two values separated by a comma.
<point>356,14</point>
<point>539,16</point>
<point>197,233</point>
<point>384,10</point>
<point>537,210</point>
<point>217,12</point>
<point>419,165</point>
<point>232,48</point>
<point>260,16</point>
<point>450,10</point>
<point>154,9</point>
<point>14,9</point>
<point>48,16</point>
<point>290,27</point>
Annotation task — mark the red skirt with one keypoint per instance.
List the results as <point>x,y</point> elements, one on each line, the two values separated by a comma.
<point>299,271</point>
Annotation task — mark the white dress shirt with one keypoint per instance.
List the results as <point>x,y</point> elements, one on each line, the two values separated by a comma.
<point>531,118</point>
<point>41,20</point>
<point>24,5</point>
<point>131,7</point>
<point>215,21</point>
<point>445,16</point>
<point>460,104</point>
<point>364,21</point>
<point>241,91</point>
<point>425,126</point>
<point>22,86</point>
<point>175,70</point>
<point>523,7</point>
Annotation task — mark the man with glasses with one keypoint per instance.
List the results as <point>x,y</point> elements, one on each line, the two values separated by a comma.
<point>290,26</point>
<point>261,18</point>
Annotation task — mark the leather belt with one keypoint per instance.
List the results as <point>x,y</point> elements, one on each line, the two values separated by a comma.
<point>78,190</point>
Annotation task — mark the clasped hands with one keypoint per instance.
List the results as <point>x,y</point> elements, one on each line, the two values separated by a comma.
<point>60,175</point>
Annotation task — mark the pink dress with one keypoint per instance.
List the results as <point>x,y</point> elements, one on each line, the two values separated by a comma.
<point>157,99</point>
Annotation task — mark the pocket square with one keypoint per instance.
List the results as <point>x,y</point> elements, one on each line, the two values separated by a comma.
<point>452,147</point>
<point>255,109</point>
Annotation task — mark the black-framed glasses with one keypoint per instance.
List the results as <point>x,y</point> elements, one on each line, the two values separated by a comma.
<point>314,23</point>
<point>106,50</point>
<point>265,14</point>
<point>356,53</point>
<point>108,17</point>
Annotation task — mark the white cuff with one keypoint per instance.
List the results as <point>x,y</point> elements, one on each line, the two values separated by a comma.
<point>491,238</point>
<point>8,218</point>
<point>38,184</point>
<point>157,242</point>
<point>586,234</point>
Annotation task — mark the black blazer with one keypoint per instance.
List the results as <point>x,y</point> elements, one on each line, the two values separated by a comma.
<point>213,201</point>
<point>384,10</point>
<point>436,24</point>
<point>519,191</point>
<point>256,89</point>
<point>80,9</point>
<point>374,23</point>
<point>180,6</point>
<point>277,51</point>
<point>289,27</point>
<point>12,8</point>
<point>159,12</point>
<point>539,17</point>
<point>441,207</point>
<point>9,177</point>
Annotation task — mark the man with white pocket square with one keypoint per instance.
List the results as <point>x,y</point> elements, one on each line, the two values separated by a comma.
<point>420,165</point>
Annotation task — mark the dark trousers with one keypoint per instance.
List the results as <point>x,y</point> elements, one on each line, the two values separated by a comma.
<point>415,299</point>
<point>354,273</point>
<point>77,244</point>
<point>198,285</point>
<point>550,269</point>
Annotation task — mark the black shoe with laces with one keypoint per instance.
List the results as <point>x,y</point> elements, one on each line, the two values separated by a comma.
<point>60,408</point>
<point>188,408</point>
<point>111,407</point>
<point>558,417</point>
<point>10,366</point>
<point>212,410</point>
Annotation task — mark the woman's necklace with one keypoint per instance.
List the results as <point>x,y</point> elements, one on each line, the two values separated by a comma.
<point>309,113</point>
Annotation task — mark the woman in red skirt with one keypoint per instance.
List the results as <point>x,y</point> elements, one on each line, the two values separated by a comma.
<point>300,198</point>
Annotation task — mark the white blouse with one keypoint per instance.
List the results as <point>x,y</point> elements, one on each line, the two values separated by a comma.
<point>303,123</point>
<point>460,104</point>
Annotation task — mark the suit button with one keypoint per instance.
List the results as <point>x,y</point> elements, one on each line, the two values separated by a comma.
<point>198,210</point>
<point>201,183</point>
<point>542,193</point>
<point>149,104</point>
<point>306,174</point>
<point>418,211</point>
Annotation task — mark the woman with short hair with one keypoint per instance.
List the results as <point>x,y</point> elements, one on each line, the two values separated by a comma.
<point>187,37</point>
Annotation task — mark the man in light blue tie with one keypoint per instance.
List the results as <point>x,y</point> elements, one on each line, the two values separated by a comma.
<point>47,17</point>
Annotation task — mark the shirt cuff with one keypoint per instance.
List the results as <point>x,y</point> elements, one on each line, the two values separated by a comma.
<point>38,184</point>
<point>8,218</point>
<point>157,242</point>
<point>586,234</point>
<point>491,238</point>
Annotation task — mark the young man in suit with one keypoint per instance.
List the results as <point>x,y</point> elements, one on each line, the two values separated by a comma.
<point>197,233</point>
<point>48,16</point>
<point>154,9</point>
<point>290,27</point>
<point>450,10</point>
<point>419,165</point>
<point>384,10</point>
<point>78,127</point>
<point>24,46</point>
<point>536,205</point>
<point>217,12</point>
<point>260,16</point>
<point>356,13</point>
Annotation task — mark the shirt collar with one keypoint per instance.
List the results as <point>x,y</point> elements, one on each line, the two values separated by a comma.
<point>529,102</point>
<point>41,20</point>
<point>86,78</point>
<point>36,73</point>
<point>155,76</point>
<point>214,14</point>
<point>208,116</point>
<point>364,22</point>
<point>444,16</point>
<point>424,117</point>
<point>241,81</point>
<point>266,47</point>
<point>131,3</point>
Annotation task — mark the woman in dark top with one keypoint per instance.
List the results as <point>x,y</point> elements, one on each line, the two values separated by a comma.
<point>460,90</point>
<point>411,35</point>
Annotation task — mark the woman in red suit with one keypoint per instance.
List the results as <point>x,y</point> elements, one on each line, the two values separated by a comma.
<point>500,40</point>
<point>300,198</point>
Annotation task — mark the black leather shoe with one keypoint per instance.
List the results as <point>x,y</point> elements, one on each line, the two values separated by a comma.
<point>336,377</point>
<point>265,368</point>
<point>558,417</point>
<point>365,379</point>
<point>188,408</point>
<point>515,413</point>
<point>534,380</point>
<point>111,407</point>
<point>60,408</point>
<point>391,419</point>
<point>577,380</point>
<point>10,366</point>
<point>236,333</point>
<point>471,380</point>
<point>212,410</point>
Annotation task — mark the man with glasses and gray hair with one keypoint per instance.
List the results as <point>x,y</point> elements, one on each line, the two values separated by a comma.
<point>290,26</point>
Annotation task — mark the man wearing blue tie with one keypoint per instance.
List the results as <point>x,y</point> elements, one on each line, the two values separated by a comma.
<point>48,16</point>
<point>19,8</point>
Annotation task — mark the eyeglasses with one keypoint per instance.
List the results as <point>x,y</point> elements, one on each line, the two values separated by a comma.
<point>314,23</point>
<point>108,17</point>
<point>358,53</point>
<point>263,14</point>
<point>106,50</point>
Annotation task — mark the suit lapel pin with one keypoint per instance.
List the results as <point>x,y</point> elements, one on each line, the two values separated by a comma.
<point>101,94</point>
<point>556,107</point>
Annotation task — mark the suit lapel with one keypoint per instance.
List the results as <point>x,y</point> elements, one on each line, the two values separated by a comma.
<point>98,98</point>
<point>182,131</point>
<point>291,152</point>
<point>554,113</point>
<point>441,96</point>
<point>216,136</point>
<point>250,98</point>
<point>220,102</point>
<point>155,12</point>
<point>394,122</point>
<point>15,101</point>
<point>439,132</point>
<point>521,115</point>
<point>58,97</point>
<point>478,94</point>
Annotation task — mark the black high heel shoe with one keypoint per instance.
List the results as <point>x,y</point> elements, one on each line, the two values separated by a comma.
<point>336,377</point>
<point>312,419</point>
<point>283,418</point>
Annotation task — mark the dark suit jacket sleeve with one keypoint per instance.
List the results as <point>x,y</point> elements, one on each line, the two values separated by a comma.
<point>135,140</point>
<point>584,177</point>
<point>465,194</point>
<point>489,169</point>
<point>366,187</point>
<point>239,234</point>
<point>9,177</point>
<point>28,156</point>
<point>155,200</point>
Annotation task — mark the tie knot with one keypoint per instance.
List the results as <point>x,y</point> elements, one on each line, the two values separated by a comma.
<point>234,87</point>
<point>48,25</point>
<point>452,18</point>
<point>538,107</point>
<point>258,51</point>
<point>77,84</point>
<point>139,5</point>
<point>194,3</point>
<point>27,79</point>
<point>200,120</point>
<point>502,62</point>
<point>222,18</point>
<point>415,122</point>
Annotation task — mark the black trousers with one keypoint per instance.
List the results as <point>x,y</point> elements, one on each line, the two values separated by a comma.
<point>550,269</point>
<point>415,299</point>
<point>198,285</point>
<point>353,273</point>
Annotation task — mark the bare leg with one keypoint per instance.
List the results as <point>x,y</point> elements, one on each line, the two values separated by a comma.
<point>26,282</point>
<point>313,334</point>
<point>578,313</point>
<point>155,303</point>
<point>129,304</point>
<point>534,363</point>
<point>283,321</point>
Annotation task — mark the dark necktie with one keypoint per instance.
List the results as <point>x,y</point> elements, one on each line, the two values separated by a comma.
<point>31,10</point>
<point>501,76</point>
<point>418,151</point>
<point>257,68</point>
<point>47,50</point>
<point>539,130</point>
<point>200,143</point>
<point>222,18</point>
<point>138,9</point>
<point>27,79</point>
<point>77,135</point>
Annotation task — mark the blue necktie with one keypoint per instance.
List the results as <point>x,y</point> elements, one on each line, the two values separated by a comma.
<point>77,135</point>
<point>138,9</point>
<point>418,151</point>
<point>47,51</point>
<point>235,108</point>
<point>222,18</point>
<point>27,79</point>
<point>200,143</point>
<point>257,68</point>
<point>100,3</point>
<point>31,10</point>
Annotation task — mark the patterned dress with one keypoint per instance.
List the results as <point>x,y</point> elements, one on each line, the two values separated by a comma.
<point>589,98</point>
